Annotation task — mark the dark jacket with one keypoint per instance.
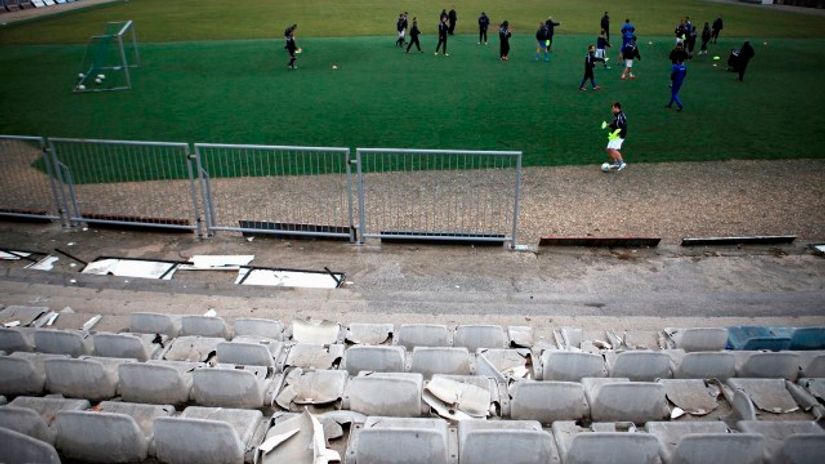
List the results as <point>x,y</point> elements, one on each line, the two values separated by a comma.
<point>551,27</point>
<point>504,35</point>
<point>605,23</point>
<point>452,16</point>
<point>678,55</point>
<point>746,53</point>
<point>718,25</point>
<point>589,63</point>
<point>415,32</point>
<point>541,34</point>
<point>602,43</point>
<point>619,122</point>
<point>483,22</point>
<point>630,51</point>
<point>706,34</point>
<point>290,43</point>
<point>401,24</point>
<point>442,30</point>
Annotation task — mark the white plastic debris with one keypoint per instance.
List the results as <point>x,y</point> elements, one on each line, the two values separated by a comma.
<point>131,268</point>
<point>217,262</point>
<point>281,278</point>
<point>11,324</point>
<point>70,244</point>
<point>92,322</point>
<point>211,313</point>
<point>13,255</point>
<point>45,264</point>
<point>52,318</point>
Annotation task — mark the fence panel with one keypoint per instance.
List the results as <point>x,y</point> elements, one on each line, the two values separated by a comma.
<point>438,194</point>
<point>28,188</point>
<point>279,190</point>
<point>150,184</point>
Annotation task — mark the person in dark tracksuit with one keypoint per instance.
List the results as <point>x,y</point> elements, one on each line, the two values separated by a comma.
<point>414,33</point>
<point>504,34</point>
<point>605,24</point>
<point>291,47</point>
<point>442,36</point>
<point>483,25</point>
<point>705,40</point>
<point>452,17</point>
<point>541,42</point>
<point>746,53</point>
<point>589,64</point>
<point>718,25</point>
<point>678,72</point>
<point>551,31</point>
<point>401,27</point>
<point>678,54</point>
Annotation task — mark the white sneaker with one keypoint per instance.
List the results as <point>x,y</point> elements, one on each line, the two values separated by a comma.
<point>621,166</point>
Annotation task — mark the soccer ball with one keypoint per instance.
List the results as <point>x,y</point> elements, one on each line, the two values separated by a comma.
<point>98,81</point>
<point>605,167</point>
<point>81,87</point>
<point>81,76</point>
<point>101,76</point>
<point>334,67</point>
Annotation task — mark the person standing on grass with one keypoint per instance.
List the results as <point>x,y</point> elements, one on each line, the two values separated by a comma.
<point>616,137</point>
<point>442,36</point>
<point>628,30</point>
<point>605,25</point>
<point>691,37</point>
<point>629,53</point>
<point>602,44</point>
<point>705,39</point>
<point>589,64</point>
<point>483,25</point>
<point>414,33</point>
<point>443,16</point>
<point>746,53</point>
<point>718,25</point>
<point>541,42</point>
<point>452,16</point>
<point>678,72</point>
<point>401,26</point>
<point>504,34</point>
<point>291,47</point>
<point>678,54</point>
<point>551,31</point>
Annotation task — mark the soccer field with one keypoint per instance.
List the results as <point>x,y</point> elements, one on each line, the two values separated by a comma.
<point>194,87</point>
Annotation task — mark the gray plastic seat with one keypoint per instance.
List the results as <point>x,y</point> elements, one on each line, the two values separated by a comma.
<point>308,356</point>
<point>249,354</point>
<point>227,387</point>
<point>54,341</point>
<point>263,328</point>
<point>22,374</point>
<point>95,379</point>
<point>154,323</point>
<point>777,434</point>
<point>383,358</point>
<point>813,364</point>
<point>157,382</point>
<point>571,366</point>
<point>782,365</point>
<point>617,400</point>
<point>385,394</point>
<point>206,435</point>
<point>474,337</point>
<point>548,401</point>
<point>641,365</point>
<point>106,436</point>
<point>515,442</point>
<point>441,360</point>
<point>700,338</point>
<point>702,442</point>
<point>19,448</point>
<point>204,326</point>
<point>706,365</point>
<point>368,334</point>
<point>612,447</point>
<point>48,407</point>
<point>13,339</point>
<point>26,421</point>
<point>124,345</point>
<point>418,441</point>
<point>192,348</point>
<point>412,335</point>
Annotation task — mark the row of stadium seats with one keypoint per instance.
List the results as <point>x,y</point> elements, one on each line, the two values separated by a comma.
<point>14,5</point>
<point>32,429</point>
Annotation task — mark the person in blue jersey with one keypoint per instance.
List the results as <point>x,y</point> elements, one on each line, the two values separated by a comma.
<point>616,137</point>
<point>589,64</point>
<point>628,30</point>
<point>678,72</point>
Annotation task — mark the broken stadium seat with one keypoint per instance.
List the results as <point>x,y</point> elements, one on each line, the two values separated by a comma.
<point>229,387</point>
<point>812,364</point>
<point>14,339</point>
<point>617,400</point>
<point>94,379</point>
<point>699,338</point>
<point>254,327</point>
<point>640,365</point>
<point>54,341</point>
<point>204,326</point>
<point>752,338</point>
<point>368,334</point>
<point>157,382</point>
<point>412,335</point>
<point>474,337</point>
<point>418,440</point>
<point>706,365</point>
<point>316,332</point>
<point>572,366</point>
<point>441,360</point>
<point>154,323</point>
<point>26,421</point>
<point>192,349</point>
<point>521,442</point>
<point>125,345</point>
<point>249,354</point>
<point>22,448</point>
<point>548,401</point>
<point>385,358</point>
<point>385,394</point>
<point>761,364</point>
<point>309,356</point>
<point>116,433</point>
<point>206,435</point>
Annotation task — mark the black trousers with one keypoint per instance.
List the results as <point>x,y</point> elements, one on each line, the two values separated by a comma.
<point>742,67</point>
<point>607,33</point>
<point>451,28</point>
<point>482,35</point>
<point>441,41</point>
<point>414,41</point>
<point>292,58</point>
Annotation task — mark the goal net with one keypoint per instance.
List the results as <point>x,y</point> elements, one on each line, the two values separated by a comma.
<point>109,59</point>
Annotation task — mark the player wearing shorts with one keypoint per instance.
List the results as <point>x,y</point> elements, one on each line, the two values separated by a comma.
<point>601,49</point>
<point>629,53</point>
<point>401,26</point>
<point>616,137</point>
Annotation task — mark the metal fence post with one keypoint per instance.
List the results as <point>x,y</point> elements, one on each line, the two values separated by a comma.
<point>353,235</point>
<point>362,212</point>
<point>517,195</point>
<point>195,208</point>
<point>206,194</point>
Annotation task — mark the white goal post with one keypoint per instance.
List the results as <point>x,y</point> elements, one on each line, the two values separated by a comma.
<point>108,59</point>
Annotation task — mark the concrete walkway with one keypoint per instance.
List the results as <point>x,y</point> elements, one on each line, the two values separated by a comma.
<point>32,13</point>
<point>786,8</point>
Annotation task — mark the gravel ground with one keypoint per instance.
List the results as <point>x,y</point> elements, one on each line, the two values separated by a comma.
<point>671,200</point>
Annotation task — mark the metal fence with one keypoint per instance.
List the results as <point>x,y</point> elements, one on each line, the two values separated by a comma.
<point>288,191</point>
<point>150,184</point>
<point>438,194</point>
<point>28,187</point>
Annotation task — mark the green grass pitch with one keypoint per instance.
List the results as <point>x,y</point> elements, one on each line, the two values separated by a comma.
<point>197,86</point>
